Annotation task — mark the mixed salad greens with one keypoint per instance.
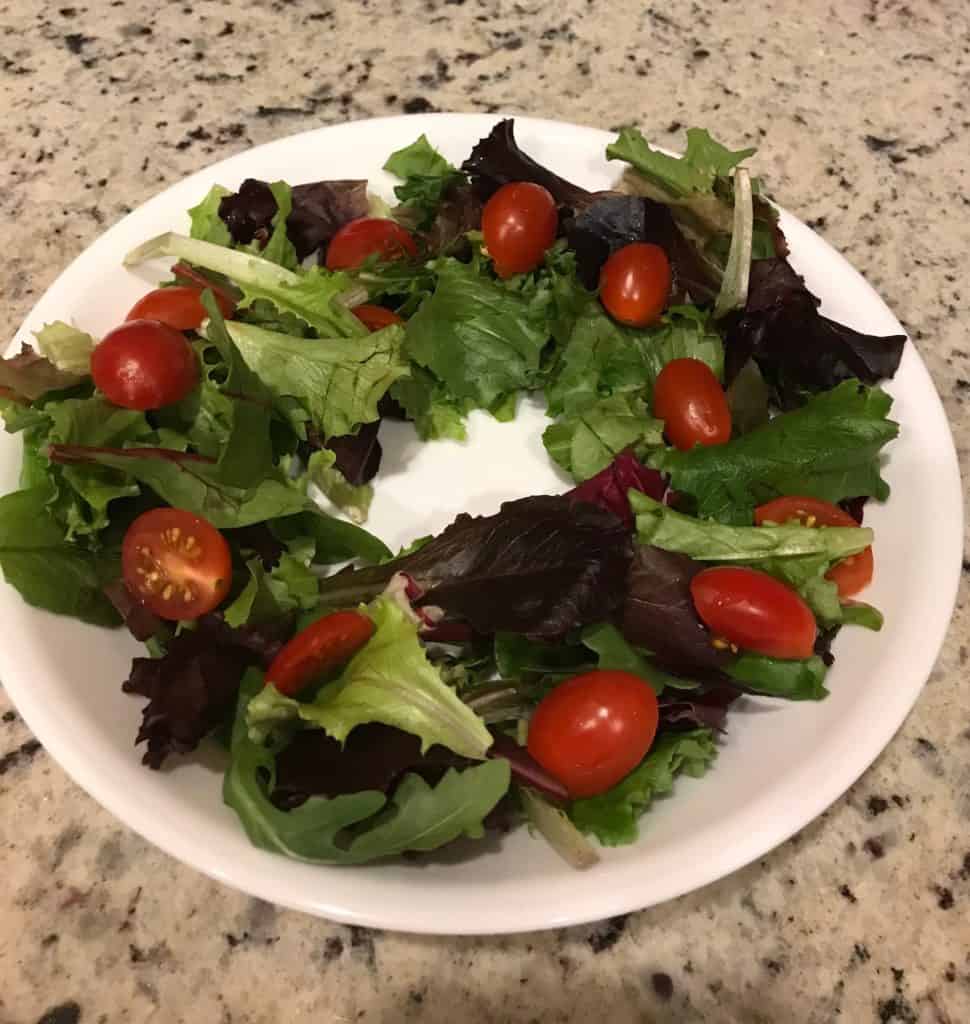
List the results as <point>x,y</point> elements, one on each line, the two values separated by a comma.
<point>199,473</point>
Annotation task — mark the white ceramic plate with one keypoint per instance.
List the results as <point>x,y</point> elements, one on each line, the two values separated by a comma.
<point>781,764</point>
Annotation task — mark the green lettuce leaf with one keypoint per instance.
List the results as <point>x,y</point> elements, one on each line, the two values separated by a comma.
<point>612,816</point>
<point>356,827</point>
<point>91,421</point>
<point>829,448</point>
<point>427,176</point>
<point>588,441</point>
<point>603,358</point>
<point>207,225</point>
<point>334,540</point>
<point>311,296</point>
<point>389,680</point>
<point>338,380</point>
<point>710,541</point>
<point>288,586</point>
<point>352,499</point>
<point>704,161</point>
<point>480,338</point>
<point>774,677</point>
<point>614,653</point>
<point>435,413</point>
<point>48,571</point>
<point>66,347</point>
<point>235,410</point>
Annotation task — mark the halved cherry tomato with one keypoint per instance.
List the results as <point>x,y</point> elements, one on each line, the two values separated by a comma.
<point>144,365</point>
<point>368,236</point>
<point>635,284</point>
<point>594,729</point>
<point>754,611</point>
<point>176,563</point>
<point>322,646</point>
<point>374,318</point>
<point>519,223</point>
<point>691,402</point>
<point>850,575</point>
<point>179,306</point>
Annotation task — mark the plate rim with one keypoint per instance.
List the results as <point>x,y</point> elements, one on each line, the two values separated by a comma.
<point>43,721</point>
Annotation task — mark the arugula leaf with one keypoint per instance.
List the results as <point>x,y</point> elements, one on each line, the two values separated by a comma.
<point>426,401</point>
<point>352,499</point>
<point>339,380</point>
<point>696,171</point>
<point>602,357</point>
<point>423,818</point>
<point>480,338</point>
<point>389,680</point>
<point>774,677</point>
<point>66,347</point>
<point>615,653</point>
<point>48,571</point>
<point>427,176</point>
<point>829,448</point>
<point>612,816</point>
<point>710,541</point>
<point>312,296</point>
<point>418,816</point>
<point>588,441</point>
<point>207,225</point>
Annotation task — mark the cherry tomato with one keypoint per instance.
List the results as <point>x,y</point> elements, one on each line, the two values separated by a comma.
<point>519,223</point>
<point>594,729</point>
<point>189,275</point>
<point>635,284</point>
<point>754,611</point>
<point>368,236</point>
<point>144,365</point>
<point>850,575</point>
<point>179,306</point>
<point>692,404</point>
<point>322,646</point>
<point>176,563</point>
<point>375,317</point>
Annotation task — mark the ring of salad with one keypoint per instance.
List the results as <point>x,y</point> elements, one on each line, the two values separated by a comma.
<point>201,475</point>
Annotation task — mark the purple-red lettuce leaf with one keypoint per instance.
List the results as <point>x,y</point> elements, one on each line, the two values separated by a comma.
<point>192,688</point>
<point>319,210</point>
<point>496,160</point>
<point>540,566</point>
<point>659,615</point>
<point>142,623</point>
<point>608,489</point>
<point>799,351</point>
<point>612,221</point>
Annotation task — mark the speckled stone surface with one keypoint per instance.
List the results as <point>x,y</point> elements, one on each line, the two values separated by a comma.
<point>860,111</point>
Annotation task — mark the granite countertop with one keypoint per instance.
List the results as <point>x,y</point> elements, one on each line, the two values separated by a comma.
<point>860,112</point>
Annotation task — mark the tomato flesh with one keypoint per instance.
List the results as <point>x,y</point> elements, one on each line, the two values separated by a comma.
<point>375,318</point>
<point>594,729</point>
<point>175,563</point>
<point>519,224</point>
<point>635,284</point>
<point>850,575</point>
<point>322,646</point>
<point>691,402</point>
<point>144,364</point>
<point>753,611</point>
<point>179,306</point>
<point>369,236</point>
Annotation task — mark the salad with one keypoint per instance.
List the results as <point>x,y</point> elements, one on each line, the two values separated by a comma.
<point>202,475</point>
